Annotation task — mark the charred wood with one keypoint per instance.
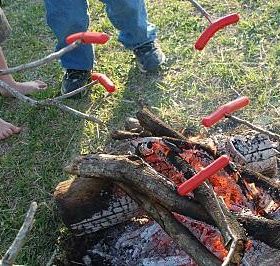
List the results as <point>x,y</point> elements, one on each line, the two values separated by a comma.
<point>133,171</point>
<point>186,240</point>
<point>156,126</point>
<point>89,205</point>
<point>262,181</point>
<point>204,194</point>
<point>159,128</point>
<point>156,187</point>
<point>265,230</point>
<point>121,134</point>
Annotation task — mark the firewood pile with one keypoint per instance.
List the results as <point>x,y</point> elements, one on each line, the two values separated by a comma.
<point>230,219</point>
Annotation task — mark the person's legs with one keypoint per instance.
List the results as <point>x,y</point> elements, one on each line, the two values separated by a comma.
<point>7,129</point>
<point>130,18</point>
<point>64,18</point>
<point>136,33</point>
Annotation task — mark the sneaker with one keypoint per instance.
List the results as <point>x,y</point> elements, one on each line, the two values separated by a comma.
<point>74,79</point>
<point>149,56</point>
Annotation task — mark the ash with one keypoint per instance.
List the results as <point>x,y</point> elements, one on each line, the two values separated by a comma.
<point>137,244</point>
<point>142,242</point>
<point>261,255</point>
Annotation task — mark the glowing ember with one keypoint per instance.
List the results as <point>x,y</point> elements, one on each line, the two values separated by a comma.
<point>157,152</point>
<point>145,242</point>
<point>223,184</point>
<point>206,234</point>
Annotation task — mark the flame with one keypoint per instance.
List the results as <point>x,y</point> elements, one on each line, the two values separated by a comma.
<point>158,161</point>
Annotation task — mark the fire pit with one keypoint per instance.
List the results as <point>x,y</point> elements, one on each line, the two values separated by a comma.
<point>230,219</point>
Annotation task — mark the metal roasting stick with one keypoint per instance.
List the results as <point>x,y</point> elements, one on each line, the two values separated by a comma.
<point>215,25</point>
<point>227,109</point>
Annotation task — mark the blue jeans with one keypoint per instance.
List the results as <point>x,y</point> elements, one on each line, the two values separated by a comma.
<point>70,16</point>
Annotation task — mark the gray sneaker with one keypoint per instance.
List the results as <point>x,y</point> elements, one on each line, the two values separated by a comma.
<point>74,79</point>
<point>149,56</point>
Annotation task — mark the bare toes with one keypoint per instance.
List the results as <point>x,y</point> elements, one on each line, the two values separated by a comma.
<point>7,129</point>
<point>42,85</point>
<point>16,129</point>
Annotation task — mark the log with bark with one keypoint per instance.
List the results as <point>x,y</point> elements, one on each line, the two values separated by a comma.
<point>129,170</point>
<point>94,196</point>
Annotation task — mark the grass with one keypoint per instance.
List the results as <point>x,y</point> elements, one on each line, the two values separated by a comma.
<point>242,60</point>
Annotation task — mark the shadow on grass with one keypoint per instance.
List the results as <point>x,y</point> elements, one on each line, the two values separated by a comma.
<point>140,87</point>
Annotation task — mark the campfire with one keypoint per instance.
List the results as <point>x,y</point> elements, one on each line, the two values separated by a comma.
<point>130,193</point>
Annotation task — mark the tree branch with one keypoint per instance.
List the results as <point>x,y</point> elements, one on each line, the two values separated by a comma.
<point>256,128</point>
<point>72,111</point>
<point>52,102</point>
<point>17,244</point>
<point>75,92</point>
<point>41,61</point>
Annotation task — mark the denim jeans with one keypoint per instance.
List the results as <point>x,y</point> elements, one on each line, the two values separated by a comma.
<point>70,16</point>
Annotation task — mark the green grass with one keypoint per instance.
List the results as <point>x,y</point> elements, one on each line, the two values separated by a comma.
<point>244,59</point>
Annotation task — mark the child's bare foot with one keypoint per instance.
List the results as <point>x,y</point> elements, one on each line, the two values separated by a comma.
<point>25,87</point>
<point>7,129</point>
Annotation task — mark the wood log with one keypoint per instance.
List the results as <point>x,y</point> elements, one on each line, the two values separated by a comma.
<point>77,193</point>
<point>121,134</point>
<point>228,225</point>
<point>73,193</point>
<point>159,128</point>
<point>206,196</point>
<point>175,229</point>
<point>156,126</point>
<point>265,230</point>
<point>89,205</point>
<point>156,187</point>
<point>262,181</point>
<point>255,152</point>
<point>131,170</point>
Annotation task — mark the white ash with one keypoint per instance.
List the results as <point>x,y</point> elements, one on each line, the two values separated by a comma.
<point>253,150</point>
<point>120,209</point>
<point>261,255</point>
<point>149,245</point>
<point>137,244</point>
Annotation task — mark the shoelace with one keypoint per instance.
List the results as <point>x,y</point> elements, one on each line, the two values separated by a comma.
<point>148,47</point>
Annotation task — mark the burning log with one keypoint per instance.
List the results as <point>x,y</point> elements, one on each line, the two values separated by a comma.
<point>257,153</point>
<point>132,172</point>
<point>269,184</point>
<point>121,134</point>
<point>175,229</point>
<point>77,198</point>
<point>158,128</point>
<point>150,178</point>
<point>104,165</point>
